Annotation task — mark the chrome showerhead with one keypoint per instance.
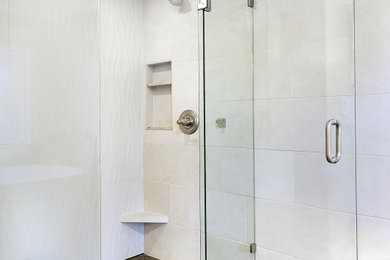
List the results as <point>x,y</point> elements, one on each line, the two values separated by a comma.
<point>176,2</point>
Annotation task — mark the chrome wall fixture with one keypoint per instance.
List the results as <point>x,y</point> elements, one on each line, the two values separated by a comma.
<point>188,122</point>
<point>329,157</point>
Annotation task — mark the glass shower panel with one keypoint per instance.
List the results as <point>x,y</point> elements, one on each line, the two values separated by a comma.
<point>303,77</point>
<point>373,124</point>
<point>49,129</point>
<point>229,156</point>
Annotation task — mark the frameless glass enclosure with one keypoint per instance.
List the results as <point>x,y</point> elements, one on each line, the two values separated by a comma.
<point>275,75</point>
<point>229,131</point>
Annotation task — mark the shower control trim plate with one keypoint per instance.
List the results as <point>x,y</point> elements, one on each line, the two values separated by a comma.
<point>188,122</point>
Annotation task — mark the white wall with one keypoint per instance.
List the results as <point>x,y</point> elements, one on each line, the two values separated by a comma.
<point>49,144</point>
<point>171,158</point>
<point>121,126</point>
<point>373,128</point>
<point>304,67</point>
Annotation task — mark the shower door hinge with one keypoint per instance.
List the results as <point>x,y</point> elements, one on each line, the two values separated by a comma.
<point>204,5</point>
<point>251,3</point>
<point>252,248</point>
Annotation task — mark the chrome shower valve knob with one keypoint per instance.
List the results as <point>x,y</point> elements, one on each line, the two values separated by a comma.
<point>188,122</point>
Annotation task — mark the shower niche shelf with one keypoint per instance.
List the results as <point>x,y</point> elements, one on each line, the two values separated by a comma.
<point>159,96</point>
<point>144,217</point>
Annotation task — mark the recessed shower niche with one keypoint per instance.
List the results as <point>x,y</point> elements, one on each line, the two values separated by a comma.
<point>159,96</point>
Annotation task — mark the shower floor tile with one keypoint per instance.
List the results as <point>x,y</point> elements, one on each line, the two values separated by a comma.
<point>142,257</point>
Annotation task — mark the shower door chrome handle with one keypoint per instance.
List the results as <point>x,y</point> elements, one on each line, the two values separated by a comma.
<point>329,157</point>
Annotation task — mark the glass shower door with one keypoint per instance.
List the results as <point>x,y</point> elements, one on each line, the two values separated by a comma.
<point>275,76</point>
<point>304,77</point>
<point>229,154</point>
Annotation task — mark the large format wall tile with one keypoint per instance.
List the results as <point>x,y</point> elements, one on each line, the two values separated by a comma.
<point>157,28</point>
<point>305,232</point>
<point>172,242</point>
<point>230,216</point>
<point>280,23</point>
<point>305,70</point>
<point>184,37</point>
<point>230,170</point>
<point>372,63</point>
<point>265,254</point>
<point>157,197</point>
<point>299,124</point>
<point>320,184</point>
<point>239,124</point>
<point>229,31</point>
<point>175,164</point>
<point>373,238</point>
<point>185,82</point>
<point>372,16</point>
<point>220,248</point>
<point>274,175</point>
<point>185,206</point>
<point>373,124</point>
<point>229,77</point>
<point>373,182</point>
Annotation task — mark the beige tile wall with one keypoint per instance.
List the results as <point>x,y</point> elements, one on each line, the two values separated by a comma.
<point>171,167</point>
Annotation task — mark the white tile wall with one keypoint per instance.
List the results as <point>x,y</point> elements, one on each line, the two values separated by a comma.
<point>305,70</point>
<point>185,206</point>
<point>121,126</point>
<point>171,164</point>
<point>373,238</point>
<point>274,175</point>
<point>221,248</point>
<point>230,170</point>
<point>230,216</point>
<point>372,56</point>
<point>373,180</point>
<point>282,23</point>
<point>298,124</point>
<point>172,242</point>
<point>304,76</point>
<point>238,132</point>
<point>225,37</point>
<point>320,184</point>
<point>272,255</point>
<point>303,232</point>
<point>373,186</point>
<point>222,84</point>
